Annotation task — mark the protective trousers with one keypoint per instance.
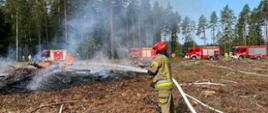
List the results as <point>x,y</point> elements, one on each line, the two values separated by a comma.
<point>166,100</point>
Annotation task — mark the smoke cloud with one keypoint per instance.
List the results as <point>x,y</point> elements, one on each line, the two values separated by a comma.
<point>103,28</point>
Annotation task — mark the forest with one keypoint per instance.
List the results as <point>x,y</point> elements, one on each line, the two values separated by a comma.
<point>88,28</point>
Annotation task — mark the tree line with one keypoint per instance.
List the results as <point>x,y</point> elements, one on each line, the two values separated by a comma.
<point>30,26</point>
<point>228,30</point>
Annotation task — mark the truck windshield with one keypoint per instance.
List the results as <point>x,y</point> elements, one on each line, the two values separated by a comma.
<point>245,49</point>
<point>45,53</point>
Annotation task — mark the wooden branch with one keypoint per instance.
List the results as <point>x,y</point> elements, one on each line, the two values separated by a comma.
<point>257,104</point>
<point>230,81</point>
<point>61,107</point>
<point>202,83</point>
<point>235,70</point>
<point>53,104</point>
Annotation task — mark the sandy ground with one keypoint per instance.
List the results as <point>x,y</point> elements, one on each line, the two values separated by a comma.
<point>241,93</point>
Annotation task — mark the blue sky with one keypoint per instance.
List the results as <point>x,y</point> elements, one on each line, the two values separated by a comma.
<point>195,8</point>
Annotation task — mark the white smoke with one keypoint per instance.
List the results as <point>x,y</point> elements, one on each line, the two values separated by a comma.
<point>79,29</point>
<point>42,77</point>
<point>5,65</point>
<point>56,76</point>
<point>86,21</point>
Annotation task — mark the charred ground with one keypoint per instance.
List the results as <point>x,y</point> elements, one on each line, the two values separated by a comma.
<point>242,92</point>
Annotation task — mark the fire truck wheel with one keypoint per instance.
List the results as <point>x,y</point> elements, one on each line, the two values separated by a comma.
<point>211,58</point>
<point>194,57</point>
<point>240,57</point>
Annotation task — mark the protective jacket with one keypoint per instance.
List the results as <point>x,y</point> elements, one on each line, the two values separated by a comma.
<point>160,68</point>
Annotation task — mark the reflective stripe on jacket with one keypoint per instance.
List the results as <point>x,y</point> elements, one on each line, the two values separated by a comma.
<point>163,83</point>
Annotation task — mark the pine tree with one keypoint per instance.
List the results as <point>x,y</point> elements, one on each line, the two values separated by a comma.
<point>241,26</point>
<point>255,30</point>
<point>227,22</point>
<point>201,29</point>
<point>146,23</point>
<point>4,33</point>
<point>157,21</point>
<point>175,28</point>
<point>213,24</point>
<point>264,12</point>
<point>188,28</point>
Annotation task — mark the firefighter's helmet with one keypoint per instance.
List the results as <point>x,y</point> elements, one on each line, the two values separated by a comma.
<point>160,46</point>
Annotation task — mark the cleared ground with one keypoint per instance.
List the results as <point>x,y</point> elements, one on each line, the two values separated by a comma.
<point>243,91</point>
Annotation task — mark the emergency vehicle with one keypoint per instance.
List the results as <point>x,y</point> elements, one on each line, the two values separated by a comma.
<point>254,52</point>
<point>57,56</point>
<point>141,55</point>
<point>207,52</point>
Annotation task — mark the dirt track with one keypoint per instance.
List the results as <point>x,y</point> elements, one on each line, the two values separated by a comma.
<point>241,93</point>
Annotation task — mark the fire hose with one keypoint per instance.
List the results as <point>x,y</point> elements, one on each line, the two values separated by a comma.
<point>184,95</point>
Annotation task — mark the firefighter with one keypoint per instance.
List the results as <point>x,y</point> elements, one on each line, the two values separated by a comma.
<point>30,58</point>
<point>160,70</point>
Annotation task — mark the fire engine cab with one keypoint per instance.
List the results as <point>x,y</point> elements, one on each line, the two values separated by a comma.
<point>207,52</point>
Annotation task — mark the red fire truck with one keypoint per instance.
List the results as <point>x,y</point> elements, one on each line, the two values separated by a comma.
<point>141,55</point>
<point>207,52</point>
<point>57,56</point>
<point>256,52</point>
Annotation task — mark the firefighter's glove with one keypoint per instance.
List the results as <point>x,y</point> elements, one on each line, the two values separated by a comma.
<point>150,73</point>
<point>152,84</point>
